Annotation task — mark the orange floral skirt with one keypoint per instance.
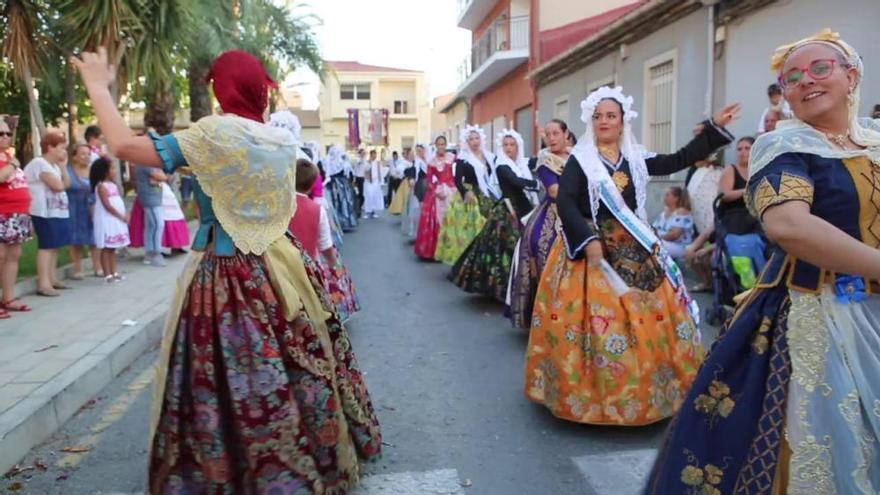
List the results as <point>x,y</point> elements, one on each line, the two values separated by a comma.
<point>598,358</point>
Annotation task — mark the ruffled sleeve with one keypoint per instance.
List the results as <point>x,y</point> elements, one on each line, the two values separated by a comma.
<point>784,179</point>
<point>169,151</point>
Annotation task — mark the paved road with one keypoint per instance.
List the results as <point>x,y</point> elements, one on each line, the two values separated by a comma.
<point>446,374</point>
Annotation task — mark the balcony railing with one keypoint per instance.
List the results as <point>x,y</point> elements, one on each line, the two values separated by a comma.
<point>503,35</point>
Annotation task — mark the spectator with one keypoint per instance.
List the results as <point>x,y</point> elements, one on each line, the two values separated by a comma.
<point>778,103</point>
<point>675,225</point>
<point>111,224</point>
<point>148,184</point>
<point>48,182</point>
<point>175,235</point>
<point>95,140</point>
<point>732,187</point>
<point>771,118</point>
<point>876,113</point>
<point>702,186</point>
<point>81,202</point>
<point>15,222</point>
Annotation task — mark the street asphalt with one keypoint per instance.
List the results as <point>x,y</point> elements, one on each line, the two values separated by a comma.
<point>445,371</point>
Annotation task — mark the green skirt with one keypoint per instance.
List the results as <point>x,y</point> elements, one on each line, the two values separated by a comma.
<point>462,223</point>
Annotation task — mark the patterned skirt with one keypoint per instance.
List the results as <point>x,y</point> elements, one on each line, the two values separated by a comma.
<point>342,196</point>
<point>340,288</point>
<point>434,210</point>
<point>254,403</point>
<point>15,228</point>
<point>462,223</point>
<point>484,267</point>
<point>539,236</point>
<point>597,356</point>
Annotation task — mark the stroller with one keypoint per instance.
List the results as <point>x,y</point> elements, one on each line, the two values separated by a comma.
<point>738,258</point>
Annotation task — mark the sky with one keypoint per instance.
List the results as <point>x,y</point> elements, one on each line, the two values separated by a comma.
<point>407,34</point>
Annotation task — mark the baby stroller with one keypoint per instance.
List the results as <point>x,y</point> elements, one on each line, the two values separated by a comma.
<point>736,262</point>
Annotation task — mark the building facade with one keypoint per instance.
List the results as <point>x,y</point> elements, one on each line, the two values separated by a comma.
<point>494,86</point>
<point>402,93</point>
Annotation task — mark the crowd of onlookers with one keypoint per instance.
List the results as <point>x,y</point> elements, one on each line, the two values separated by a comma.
<point>73,197</point>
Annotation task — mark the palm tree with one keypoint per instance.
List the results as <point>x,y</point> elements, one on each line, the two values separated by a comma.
<point>25,45</point>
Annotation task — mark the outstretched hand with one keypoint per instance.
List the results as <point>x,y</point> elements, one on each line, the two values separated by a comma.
<point>95,69</point>
<point>727,115</point>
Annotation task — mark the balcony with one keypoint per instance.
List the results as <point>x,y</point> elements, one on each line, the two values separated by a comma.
<point>503,48</point>
<point>472,12</point>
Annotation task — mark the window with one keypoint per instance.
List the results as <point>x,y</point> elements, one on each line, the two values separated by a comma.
<point>660,104</point>
<point>401,106</point>
<point>352,91</point>
<point>560,108</point>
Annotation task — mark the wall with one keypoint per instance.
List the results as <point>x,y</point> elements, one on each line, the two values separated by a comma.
<point>503,6</point>
<point>390,91</point>
<point>752,40</point>
<point>503,99</point>
<point>556,13</point>
<point>456,119</point>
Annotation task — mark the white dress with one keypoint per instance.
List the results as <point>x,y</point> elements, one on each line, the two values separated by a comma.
<point>110,232</point>
<point>374,200</point>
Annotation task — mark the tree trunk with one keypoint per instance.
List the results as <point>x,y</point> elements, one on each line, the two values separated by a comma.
<point>199,96</point>
<point>159,113</point>
<point>72,107</point>
<point>36,112</point>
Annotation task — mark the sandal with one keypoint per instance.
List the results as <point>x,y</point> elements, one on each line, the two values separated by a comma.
<point>15,305</point>
<point>47,293</point>
<point>78,276</point>
<point>4,315</point>
<point>60,286</point>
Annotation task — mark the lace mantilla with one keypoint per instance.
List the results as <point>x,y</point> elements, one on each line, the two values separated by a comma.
<point>249,171</point>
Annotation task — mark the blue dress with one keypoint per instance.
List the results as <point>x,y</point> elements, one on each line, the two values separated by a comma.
<point>80,197</point>
<point>788,400</point>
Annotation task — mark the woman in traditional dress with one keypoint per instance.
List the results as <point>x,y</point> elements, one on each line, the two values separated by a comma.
<point>614,337</point>
<point>787,402</point>
<point>441,187</point>
<point>374,176</point>
<point>400,200</point>
<point>341,190</point>
<point>417,175</point>
<point>258,390</point>
<point>476,195</point>
<point>484,267</point>
<point>541,227</point>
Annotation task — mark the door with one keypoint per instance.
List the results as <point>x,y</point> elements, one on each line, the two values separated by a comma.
<point>524,118</point>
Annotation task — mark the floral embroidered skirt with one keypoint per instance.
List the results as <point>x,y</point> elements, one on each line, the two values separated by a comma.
<point>599,358</point>
<point>434,210</point>
<point>342,197</point>
<point>484,267</point>
<point>401,198</point>
<point>462,223</point>
<point>340,288</point>
<point>787,402</point>
<point>254,403</point>
<point>539,236</point>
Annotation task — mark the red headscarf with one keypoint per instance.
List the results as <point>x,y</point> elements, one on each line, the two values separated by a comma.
<point>241,84</point>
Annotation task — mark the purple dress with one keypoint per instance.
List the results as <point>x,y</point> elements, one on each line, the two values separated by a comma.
<point>538,237</point>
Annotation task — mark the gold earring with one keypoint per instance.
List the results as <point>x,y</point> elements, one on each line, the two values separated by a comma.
<point>850,97</point>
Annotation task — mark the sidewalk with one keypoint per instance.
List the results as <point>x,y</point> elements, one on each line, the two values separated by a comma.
<point>56,358</point>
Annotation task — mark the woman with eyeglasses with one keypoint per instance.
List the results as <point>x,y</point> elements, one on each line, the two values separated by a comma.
<point>789,401</point>
<point>15,222</point>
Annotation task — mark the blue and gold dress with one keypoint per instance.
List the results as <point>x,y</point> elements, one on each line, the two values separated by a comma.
<point>258,390</point>
<point>788,400</point>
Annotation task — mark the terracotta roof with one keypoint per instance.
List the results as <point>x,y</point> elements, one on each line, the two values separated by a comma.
<point>307,118</point>
<point>555,41</point>
<point>352,66</point>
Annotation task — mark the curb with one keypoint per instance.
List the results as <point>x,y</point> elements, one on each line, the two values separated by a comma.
<point>36,418</point>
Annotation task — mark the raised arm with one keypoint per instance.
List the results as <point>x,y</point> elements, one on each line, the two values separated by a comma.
<point>97,75</point>
<point>713,135</point>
